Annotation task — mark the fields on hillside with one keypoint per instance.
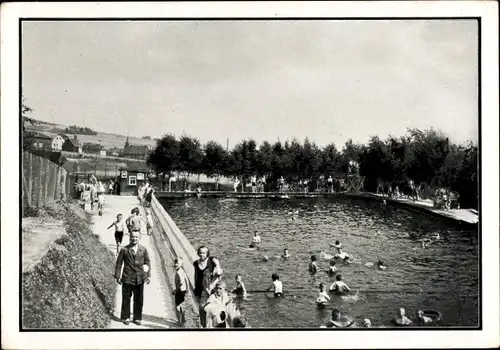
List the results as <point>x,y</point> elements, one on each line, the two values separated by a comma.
<point>107,140</point>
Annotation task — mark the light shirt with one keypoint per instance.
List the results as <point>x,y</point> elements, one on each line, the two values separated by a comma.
<point>339,286</point>
<point>134,249</point>
<point>256,239</point>
<point>222,300</point>
<point>149,219</point>
<point>323,297</point>
<point>342,255</point>
<point>135,223</point>
<point>180,280</point>
<point>278,286</point>
<point>120,226</point>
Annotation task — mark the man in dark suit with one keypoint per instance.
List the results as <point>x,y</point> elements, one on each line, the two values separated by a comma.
<point>136,270</point>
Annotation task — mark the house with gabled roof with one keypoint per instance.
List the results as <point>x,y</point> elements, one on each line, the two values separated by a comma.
<point>72,145</point>
<point>135,151</point>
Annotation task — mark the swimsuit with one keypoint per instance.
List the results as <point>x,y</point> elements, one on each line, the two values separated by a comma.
<point>238,291</point>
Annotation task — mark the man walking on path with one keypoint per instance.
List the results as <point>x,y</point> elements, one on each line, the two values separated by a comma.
<point>136,270</point>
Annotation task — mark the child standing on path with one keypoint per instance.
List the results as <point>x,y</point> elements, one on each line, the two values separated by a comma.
<point>181,283</point>
<point>134,221</point>
<point>149,222</point>
<point>119,225</point>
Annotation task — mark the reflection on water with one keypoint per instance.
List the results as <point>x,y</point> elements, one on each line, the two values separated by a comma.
<point>443,276</point>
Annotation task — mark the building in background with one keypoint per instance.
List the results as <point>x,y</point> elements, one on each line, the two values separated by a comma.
<point>72,145</point>
<point>102,153</point>
<point>41,141</point>
<point>130,179</point>
<point>115,151</point>
<point>58,141</point>
<point>135,151</point>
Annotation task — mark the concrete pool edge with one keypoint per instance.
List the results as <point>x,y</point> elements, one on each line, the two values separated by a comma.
<point>178,245</point>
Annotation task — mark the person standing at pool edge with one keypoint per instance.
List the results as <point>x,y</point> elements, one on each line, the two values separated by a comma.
<point>201,266</point>
<point>134,259</point>
<point>181,283</point>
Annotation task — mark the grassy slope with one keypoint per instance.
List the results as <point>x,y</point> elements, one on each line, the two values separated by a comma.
<point>72,286</point>
<point>107,140</point>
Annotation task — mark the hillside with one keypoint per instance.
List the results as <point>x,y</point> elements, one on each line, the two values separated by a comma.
<point>107,140</point>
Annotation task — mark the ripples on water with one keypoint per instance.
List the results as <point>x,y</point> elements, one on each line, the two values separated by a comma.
<point>368,231</point>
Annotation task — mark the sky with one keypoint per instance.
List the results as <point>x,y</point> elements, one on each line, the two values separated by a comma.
<point>267,80</point>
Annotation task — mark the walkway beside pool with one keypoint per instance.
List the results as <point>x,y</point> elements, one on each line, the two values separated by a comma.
<point>158,311</point>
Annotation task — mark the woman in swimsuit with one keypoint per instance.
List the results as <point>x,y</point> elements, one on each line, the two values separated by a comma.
<point>203,269</point>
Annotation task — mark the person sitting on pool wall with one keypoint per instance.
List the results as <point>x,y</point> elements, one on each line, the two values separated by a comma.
<point>276,285</point>
<point>339,287</point>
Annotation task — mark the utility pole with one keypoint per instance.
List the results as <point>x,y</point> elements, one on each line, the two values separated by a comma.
<point>227,144</point>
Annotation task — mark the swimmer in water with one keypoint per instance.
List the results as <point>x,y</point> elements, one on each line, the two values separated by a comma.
<point>277,285</point>
<point>240,289</point>
<point>285,255</point>
<point>423,319</point>
<point>339,287</point>
<point>313,268</point>
<point>255,239</point>
<point>343,256</point>
<point>336,245</point>
<point>323,296</point>
<point>332,269</point>
<point>425,242</point>
<point>381,265</point>
<point>401,319</point>
<point>367,323</point>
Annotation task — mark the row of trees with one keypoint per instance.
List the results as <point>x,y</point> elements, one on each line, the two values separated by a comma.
<point>426,157</point>
<point>74,129</point>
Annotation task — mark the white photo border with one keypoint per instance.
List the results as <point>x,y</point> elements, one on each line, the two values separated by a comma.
<point>10,264</point>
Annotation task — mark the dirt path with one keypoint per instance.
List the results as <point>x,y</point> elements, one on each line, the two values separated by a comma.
<point>39,235</point>
<point>158,310</point>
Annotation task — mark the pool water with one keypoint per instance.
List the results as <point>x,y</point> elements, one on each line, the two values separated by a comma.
<point>443,276</point>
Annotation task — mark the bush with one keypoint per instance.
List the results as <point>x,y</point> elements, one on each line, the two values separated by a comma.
<point>73,285</point>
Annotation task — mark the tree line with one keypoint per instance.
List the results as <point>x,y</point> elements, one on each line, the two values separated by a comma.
<point>427,157</point>
<point>74,129</point>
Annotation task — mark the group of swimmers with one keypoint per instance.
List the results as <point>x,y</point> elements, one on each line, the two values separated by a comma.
<point>338,287</point>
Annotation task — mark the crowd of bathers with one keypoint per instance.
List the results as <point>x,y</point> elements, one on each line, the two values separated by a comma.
<point>214,299</point>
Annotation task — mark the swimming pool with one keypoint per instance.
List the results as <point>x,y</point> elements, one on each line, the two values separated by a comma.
<point>443,276</point>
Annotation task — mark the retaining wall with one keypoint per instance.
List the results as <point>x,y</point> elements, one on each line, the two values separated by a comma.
<point>178,245</point>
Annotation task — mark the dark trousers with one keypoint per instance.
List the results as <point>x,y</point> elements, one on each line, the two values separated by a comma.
<point>127,291</point>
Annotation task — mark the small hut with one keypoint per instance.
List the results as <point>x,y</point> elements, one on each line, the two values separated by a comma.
<point>130,179</point>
